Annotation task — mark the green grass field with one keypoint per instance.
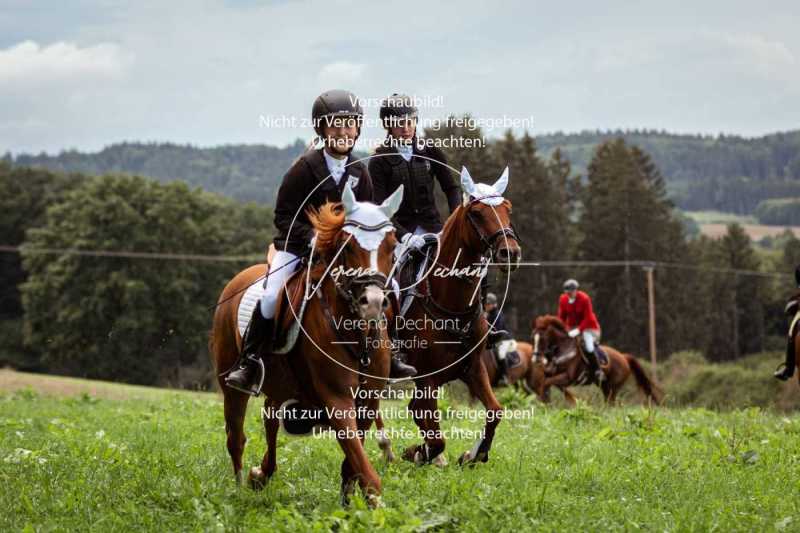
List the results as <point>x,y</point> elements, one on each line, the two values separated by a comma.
<point>133,460</point>
<point>718,217</point>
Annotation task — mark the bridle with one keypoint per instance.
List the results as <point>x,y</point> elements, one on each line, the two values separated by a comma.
<point>350,290</point>
<point>353,287</point>
<point>490,241</point>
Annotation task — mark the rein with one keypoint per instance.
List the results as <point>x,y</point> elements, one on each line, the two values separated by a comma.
<point>350,291</point>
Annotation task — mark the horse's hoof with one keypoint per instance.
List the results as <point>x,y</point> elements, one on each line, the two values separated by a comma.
<point>257,479</point>
<point>467,459</point>
<point>345,491</point>
<point>440,460</point>
<point>389,456</point>
<point>411,453</point>
<point>374,501</point>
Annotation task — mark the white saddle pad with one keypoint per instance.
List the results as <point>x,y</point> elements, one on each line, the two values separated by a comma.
<point>247,304</point>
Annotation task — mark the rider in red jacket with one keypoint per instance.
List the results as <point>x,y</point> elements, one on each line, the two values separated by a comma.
<point>575,310</point>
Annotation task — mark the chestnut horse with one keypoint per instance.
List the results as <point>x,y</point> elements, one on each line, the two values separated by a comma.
<point>324,368</point>
<point>446,305</point>
<point>527,375</point>
<point>565,363</point>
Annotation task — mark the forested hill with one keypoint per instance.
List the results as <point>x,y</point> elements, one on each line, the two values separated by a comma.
<point>726,173</point>
<point>245,172</point>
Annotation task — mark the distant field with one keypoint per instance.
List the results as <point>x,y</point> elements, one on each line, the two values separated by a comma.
<point>755,231</point>
<point>714,224</point>
<point>718,217</point>
<point>139,459</point>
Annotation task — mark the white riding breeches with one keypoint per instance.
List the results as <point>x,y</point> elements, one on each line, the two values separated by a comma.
<point>590,336</point>
<point>505,346</point>
<point>278,274</point>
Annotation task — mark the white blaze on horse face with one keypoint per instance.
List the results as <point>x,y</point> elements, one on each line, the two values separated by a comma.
<point>536,344</point>
<point>373,308</point>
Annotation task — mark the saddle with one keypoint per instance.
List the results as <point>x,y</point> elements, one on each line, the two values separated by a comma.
<point>290,305</point>
<point>502,343</point>
<point>410,267</point>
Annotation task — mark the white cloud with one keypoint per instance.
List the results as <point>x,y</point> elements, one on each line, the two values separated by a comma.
<point>340,74</point>
<point>29,62</point>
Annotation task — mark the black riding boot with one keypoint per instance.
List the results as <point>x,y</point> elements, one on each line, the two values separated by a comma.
<point>257,341</point>
<point>594,366</point>
<point>787,369</point>
<point>399,368</point>
<point>502,371</point>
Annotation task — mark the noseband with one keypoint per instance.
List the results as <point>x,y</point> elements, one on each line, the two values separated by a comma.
<point>353,287</point>
<point>490,241</point>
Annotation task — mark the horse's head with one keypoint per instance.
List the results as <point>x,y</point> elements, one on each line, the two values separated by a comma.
<point>489,214</point>
<point>548,337</point>
<point>356,241</point>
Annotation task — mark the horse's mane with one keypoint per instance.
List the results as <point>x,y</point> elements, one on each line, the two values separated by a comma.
<point>546,321</point>
<point>328,221</point>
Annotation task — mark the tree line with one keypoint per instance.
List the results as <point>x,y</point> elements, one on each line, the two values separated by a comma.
<point>725,172</point>
<point>619,210</point>
<point>145,320</point>
<point>139,320</point>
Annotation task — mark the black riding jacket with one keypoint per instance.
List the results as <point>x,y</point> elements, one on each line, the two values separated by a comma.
<point>418,208</point>
<point>293,196</point>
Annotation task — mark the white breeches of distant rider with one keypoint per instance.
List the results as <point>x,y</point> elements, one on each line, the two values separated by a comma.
<point>275,280</point>
<point>505,346</point>
<point>590,337</point>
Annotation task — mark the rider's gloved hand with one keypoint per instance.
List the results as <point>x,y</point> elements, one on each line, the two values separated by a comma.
<point>574,332</point>
<point>412,241</point>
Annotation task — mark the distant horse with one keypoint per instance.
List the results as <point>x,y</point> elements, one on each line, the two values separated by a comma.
<point>447,306</point>
<point>527,375</point>
<point>316,378</point>
<point>565,363</point>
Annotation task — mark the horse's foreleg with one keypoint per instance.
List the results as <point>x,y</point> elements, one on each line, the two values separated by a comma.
<point>478,382</point>
<point>568,396</point>
<point>356,466</point>
<point>608,392</point>
<point>383,440</point>
<point>559,380</point>
<point>424,411</point>
<point>259,474</point>
<point>235,407</point>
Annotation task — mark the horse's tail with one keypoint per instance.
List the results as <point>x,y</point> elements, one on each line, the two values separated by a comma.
<point>646,385</point>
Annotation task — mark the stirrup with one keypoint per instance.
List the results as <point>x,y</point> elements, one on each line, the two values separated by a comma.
<point>254,390</point>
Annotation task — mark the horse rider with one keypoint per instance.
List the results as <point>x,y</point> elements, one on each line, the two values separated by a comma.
<point>498,332</point>
<point>315,178</point>
<point>786,370</point>
<point>575,310</point>
<point>404,158</point>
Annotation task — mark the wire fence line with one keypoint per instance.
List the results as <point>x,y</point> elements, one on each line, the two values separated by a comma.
<point>260,258</point>
<point>132,255</point>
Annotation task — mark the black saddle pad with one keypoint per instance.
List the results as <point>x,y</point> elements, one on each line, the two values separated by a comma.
<point>409,267</point>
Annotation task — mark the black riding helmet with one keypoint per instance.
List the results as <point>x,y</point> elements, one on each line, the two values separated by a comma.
<point>335,103</point>
<point>397,106</point>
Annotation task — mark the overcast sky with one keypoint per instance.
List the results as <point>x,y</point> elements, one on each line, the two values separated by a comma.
<point>84,74</point>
